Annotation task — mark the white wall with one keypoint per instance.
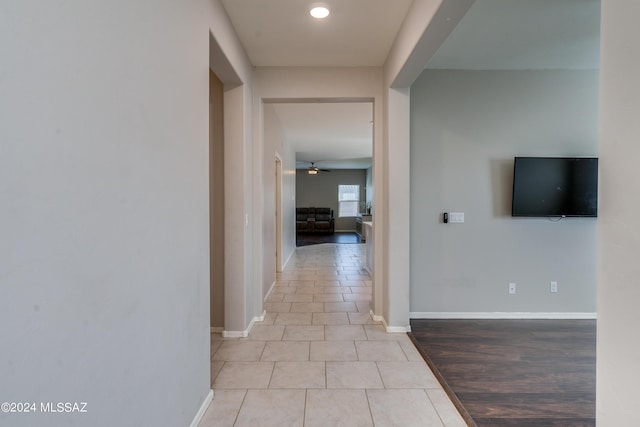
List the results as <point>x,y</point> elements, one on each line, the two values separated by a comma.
<point>321,191</point>
<point>273,138</point>
<point>275,145</point>
<point>466,127</point>
<point>104,279</point>
<point>288,201</point>
<point>619,235</point>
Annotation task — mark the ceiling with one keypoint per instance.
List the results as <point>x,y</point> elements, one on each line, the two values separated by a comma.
<point>277,33</point>
<point>524,35</point>
<point>494,34</point>
<point>334,135</point>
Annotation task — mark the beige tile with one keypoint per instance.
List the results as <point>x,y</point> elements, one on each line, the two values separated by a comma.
<point>293,319</point>
<point>307,307</point>
<point>334,307</point>
<point>308,291</point>
<point>239,351</point>
<point>266,332</point>
<point>353,375</point>
<point>325,342</point>
<point>268,319</point>
<point>215,345</point>
<point>286,290</point>
<point>277,307</point>
<point>378,333</point>
<point>272,408</point>
<point>445,408</point>
<point>329,283</point>
<point>223,409</point>
<point>361,290</point>
<point>344,333</point>
<point>298,375</point>
<point>303,333</point>
<point>301,283</point>
<point>328,298</point>
<point>244,375</point>
<point>216,367</point>
<point>363,306</point>
<point>410,351</point>
<point>407,408</point>
<point>330,319</point>
<point>298,298</point>
<point>348,408</point>
<point>303,277</point>
<point>334,351</point>
<point>357,297</point>
<point>407,375</point>
<point>361,319</point>
<point>380,351</point>
<point>353,283</point>
<point>336,290</point>
<point>275,351</point>
<point>275,297</point>
<point>356,277</point>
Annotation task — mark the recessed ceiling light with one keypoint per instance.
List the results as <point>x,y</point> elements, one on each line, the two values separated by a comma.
<point>319,12</point>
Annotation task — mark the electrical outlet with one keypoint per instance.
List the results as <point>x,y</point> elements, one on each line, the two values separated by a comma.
<point>553,287</point>
<point>512,288</point>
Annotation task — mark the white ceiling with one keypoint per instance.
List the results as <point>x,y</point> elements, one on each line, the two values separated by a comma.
<point>495,34</point>
<point>334,135</point>
<point>279,33</point>
<point>524,35</point>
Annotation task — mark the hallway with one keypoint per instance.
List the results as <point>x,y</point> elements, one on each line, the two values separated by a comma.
<point>318,359</point>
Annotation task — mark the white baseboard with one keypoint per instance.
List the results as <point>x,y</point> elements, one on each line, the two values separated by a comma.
<point>202,410</point>
<point>390,329</point>
<point>245,333</point>
<point>499,315</point>
<point>217,329</point>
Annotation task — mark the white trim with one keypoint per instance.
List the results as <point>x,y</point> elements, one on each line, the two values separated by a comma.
<point>217,329</point>
<point>245,333</point>
<point>498,315</point>
<point>203,408</point>
<point>398,329</point>
<point>390,329</point>
<point>273,285</point>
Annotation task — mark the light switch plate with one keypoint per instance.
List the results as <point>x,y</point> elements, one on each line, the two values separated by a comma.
<point>456,217</point>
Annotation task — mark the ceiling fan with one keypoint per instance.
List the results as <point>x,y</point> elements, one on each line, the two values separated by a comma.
<point>313,169</point>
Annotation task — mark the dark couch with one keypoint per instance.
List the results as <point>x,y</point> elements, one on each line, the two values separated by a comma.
<point>315,220</point>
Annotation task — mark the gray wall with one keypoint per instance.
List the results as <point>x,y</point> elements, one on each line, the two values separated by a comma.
<point>321,191</point>
<point>274,144</point>
<point>104,271</point>
<point>466,127</point>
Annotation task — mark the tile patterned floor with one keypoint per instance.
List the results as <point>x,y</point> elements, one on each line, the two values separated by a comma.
<point>318,359</point>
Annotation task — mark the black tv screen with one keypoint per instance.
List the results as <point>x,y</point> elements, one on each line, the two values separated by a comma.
<point>555,186</point>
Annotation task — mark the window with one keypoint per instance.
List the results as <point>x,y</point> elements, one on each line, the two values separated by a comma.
<point>348,200</point>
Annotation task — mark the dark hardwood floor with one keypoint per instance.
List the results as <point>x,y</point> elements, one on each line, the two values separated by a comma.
<point>303,239</point>
<point>524,373</point>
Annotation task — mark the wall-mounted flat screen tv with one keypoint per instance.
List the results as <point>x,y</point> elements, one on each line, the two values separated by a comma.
<point>555,187</point>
